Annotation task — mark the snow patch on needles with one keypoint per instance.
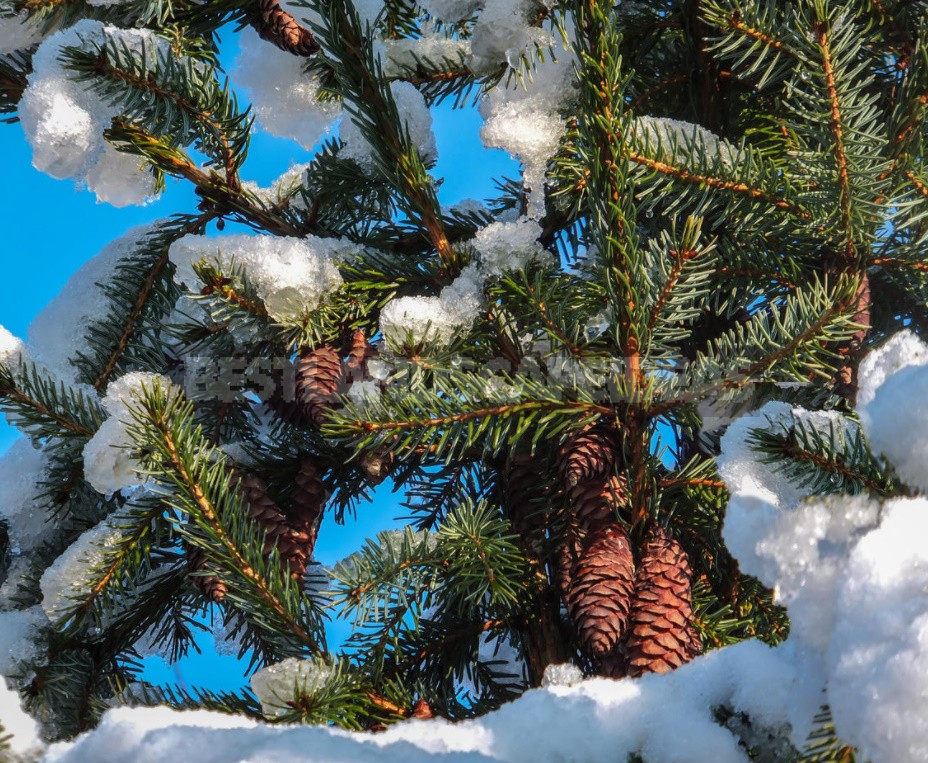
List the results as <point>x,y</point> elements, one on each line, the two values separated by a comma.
<point>22,469</point>
<point>524,119</point>
<point>503,34</point>
<point>19,32</point>
<point>25,743</point>
<point>413,321</point>
<point>402,56</point>
<point>285,98</point>
<point>291,275</point>
<point>58,333</point>
<point>278,684</point>
<point>893,378</point>
<point>509,246</point>
<point>71,573</point>
<point>12,349</point>
<point>110,462</point>
<point>664,133</point>
<point>415,118</point>
<point>64,120</point>
<point>19,637</point>
<point>450,11</point>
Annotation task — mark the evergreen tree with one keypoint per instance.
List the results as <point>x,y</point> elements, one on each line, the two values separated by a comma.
<point>724,204</point>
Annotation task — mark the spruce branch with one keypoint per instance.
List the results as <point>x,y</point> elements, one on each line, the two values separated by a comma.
<point>200,487</point>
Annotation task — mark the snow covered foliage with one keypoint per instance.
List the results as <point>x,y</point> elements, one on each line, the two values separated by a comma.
<point>64,120</point>
<point>285,98</point>
<point>58,334</point>
<point>277,685</point>
<point>290,275</point>
<point>416,121</point>
<point>109,460</point>
<point>524,118</point>
<point>412,321</point>
<point>70,573</point>
<point>588,721</point>
<point>22,469</point>
<point>25,742</point>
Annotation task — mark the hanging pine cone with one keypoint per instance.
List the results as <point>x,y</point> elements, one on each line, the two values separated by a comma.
<point>318,373</point>
<point>307,504</point>
<point>279,27</point>
<point>361,351</point>
<point>209,585</point>
<point>601,589</point>
<point>587,454</point>
<point>661,632</point>
<point>261,507</point>
<point>596,501</point>
<point>525,493</point>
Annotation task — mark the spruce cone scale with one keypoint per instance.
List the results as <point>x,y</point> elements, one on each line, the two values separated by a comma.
<point>601,589</point>
<point>318,374</point>
<point>661,632</point>
<point>279,27</point>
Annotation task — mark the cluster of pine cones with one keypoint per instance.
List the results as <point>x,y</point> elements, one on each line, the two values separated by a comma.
<point>629,618</point>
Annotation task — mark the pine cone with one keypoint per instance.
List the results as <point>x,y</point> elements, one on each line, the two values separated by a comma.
<point>318,373</point>
<point>602,588</point>
<point>661,633</point>
<point>596,501</point>
<point>261,507</point>
<point>588,454</point>
<point>525,493</point>
<point>279,27</point>
<point>307,505</point>
<point>361,351</point>
<point>209,585</point>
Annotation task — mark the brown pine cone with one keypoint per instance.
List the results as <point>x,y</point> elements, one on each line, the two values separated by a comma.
<point>307,504</point>
<point>595,501</point>
<point>261,507</point>
<point>601,589</point>
<point>587,454</point>
<point>209,585</point>
<point>661,632</point>
<point>318,374</point>
<point>361,351</point>
<point>279,27</point>
<point>525,493</point>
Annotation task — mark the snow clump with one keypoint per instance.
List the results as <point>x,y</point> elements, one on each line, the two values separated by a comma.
<point>285,98</point>
<point>509,246</point>
<point>894,377</point>
<point>72,573</point>
<point>64,120</point>
<point>109,461</point>
<point>291,275</point>
<point>19,32</point>
<point>278,684</point>
<point>524,119</point>
<point>24,742</point>
<point>663,133</point>
<point>22,470</point>
<point>413,321</point>
<point>414,116</point>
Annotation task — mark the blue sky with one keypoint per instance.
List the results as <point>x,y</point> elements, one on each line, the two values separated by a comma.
<point>52,228</point>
